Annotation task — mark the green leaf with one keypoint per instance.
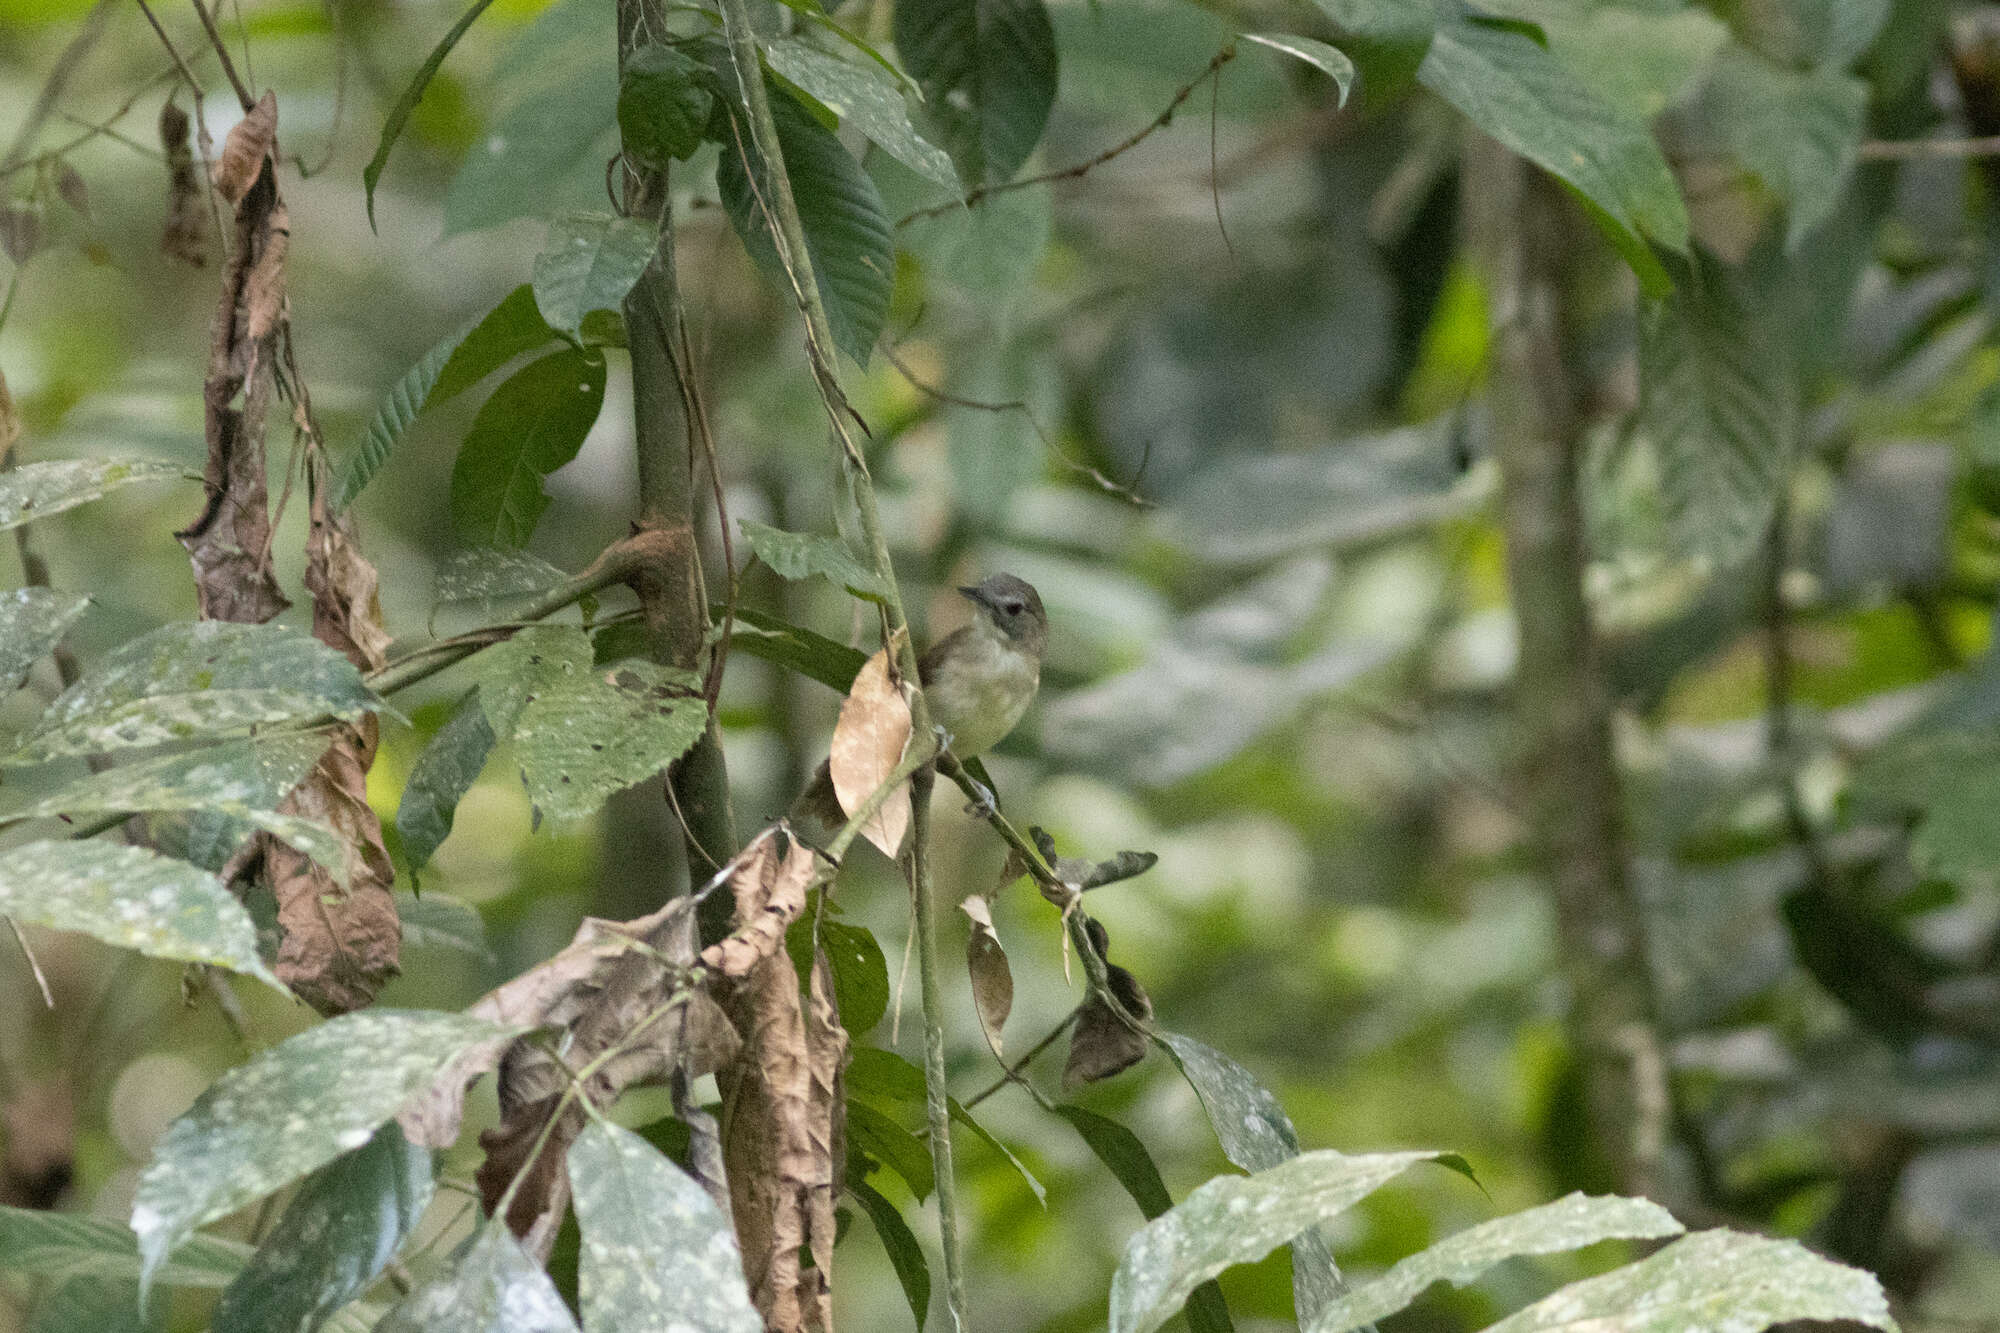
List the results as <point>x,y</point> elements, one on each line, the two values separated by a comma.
<point>1405,23</point>
<point>443,773</point>
<point>1127,1159</point>
<point>663,104</point>
<point>657,1252</point>
<point>547,137</point>
<point>243,781</point>
<point>289,1110</point>
<point>1319,55</point>
<point>1719,404</point>
<point>455,364</point>
<point>596,733</point>
<point>66,1247</point>
<point>1644,62</point>
<point>860,975</point>
<point>491,1287</point>
<point>198,679</point>
<point>813,656</point>
<point>100,1307</point>
<point>589,262</point>
<point>1711,1280</point>
<point>440,921</point>
<point>535,660</point>
<point>1238,1219</point>
<point>893,1146</point>
<point>532,425</point>
<point>985,255</point>
<point>32,623</point>
<point>36,490</point>
<point>801,555</point>
<point>886,1075</point>
<point>1511,88</point>
<point>1797,131</point>
<point>132,898</point>
<point>490,575</point>
<point>847,233</point>
<point>399,114</point>
<point>906,1255</point>
<point>988,71</point>
<point>341,1229</point>
<point>867,97</point>
<point>1569,1223</point>
<point>1256,1135</point>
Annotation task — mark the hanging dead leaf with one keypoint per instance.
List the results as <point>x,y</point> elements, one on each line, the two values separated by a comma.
<point>71,189</point>
<point>770,892</point>
<point>339,944</point>
<point>20,231</point>
<point>783,1140</point>
<point>986,962</point>
<point>347,607</point>
<point>181,238</point>
<point>868,743</point>
<point>245,149</point>
<point>1103,1043</point>
<point>264,287</point>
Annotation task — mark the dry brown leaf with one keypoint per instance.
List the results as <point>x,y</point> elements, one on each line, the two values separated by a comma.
<point>20,231</point>
<point>782,1134</point>
<point>264,285</point>
<point>1102,1043</point>
<point>775,887</point>
<point>347,607</point>
<point>71,189</point>
<point>181,238</point>
<point>868,743</point>
<point>339,945</point>
<point>244,152</point>
<point>10,420</point>
<point>986,963</point>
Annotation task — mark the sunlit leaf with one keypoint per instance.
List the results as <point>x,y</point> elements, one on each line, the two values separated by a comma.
<point>657,1253</point>
<point>491,1287</point>
<point>1238,1219</point>
<point>133,898</point>
<point>1568,1224</point>
<point>198,679</point>
<point>290,1109</point>
<point>801,555</point>
<point>1710,1281</point>
<point>341,1229</point>
<point>533,424</point>
<point>32,623</point>
<point>36,490</point>
<point>588,263</point>
<point>867,97</point>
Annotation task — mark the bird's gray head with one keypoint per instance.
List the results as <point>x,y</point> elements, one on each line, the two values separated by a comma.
<point>1015,609</point>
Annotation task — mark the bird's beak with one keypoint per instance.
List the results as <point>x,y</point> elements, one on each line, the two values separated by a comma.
<point>976,595</point>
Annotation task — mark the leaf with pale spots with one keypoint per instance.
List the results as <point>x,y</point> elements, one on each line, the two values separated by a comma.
<point>600,731</point>
<point>289,1110</point>
<point>1711,1282</point>
<point>658,1255</point>
<point>36,490</point>
<point>1238,1219</point>
<point>1569,1223</point>
<point>32,623</point>
<point>868,743</point>
<point>133,898</point>
<point>589,262</point>
<point>494,1287</point>
<point>341,1229</point>
<point>198,679</point>
<point>801,555</point>
<point>244,782</point>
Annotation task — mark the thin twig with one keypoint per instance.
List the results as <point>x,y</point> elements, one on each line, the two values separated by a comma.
<point>1159,122</point>
<point>222,53</point>
<point>59,76</point>
<point>1214,174</point>
<point>1012,1073</point>
<point>34,964</point>
<point>1904,150</point>
<point>1055,451</point>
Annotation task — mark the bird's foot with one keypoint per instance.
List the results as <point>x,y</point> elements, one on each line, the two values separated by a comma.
<point>985,805</point>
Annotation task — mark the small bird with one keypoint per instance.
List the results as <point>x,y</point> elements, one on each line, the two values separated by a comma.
<point>978,680</point>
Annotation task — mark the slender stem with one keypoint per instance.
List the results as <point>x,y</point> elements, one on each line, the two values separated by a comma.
<point>781,212</point>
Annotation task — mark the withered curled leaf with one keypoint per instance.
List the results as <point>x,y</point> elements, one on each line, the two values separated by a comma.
<point>868,743</point>
<point>181,238</point>
<point>770,892</point>
<point>20,231</point>
<point>986,963</point>
<point>1103,1043</point>
<point>71,189</point>
<point>264,286</point>
<point>245,149</point>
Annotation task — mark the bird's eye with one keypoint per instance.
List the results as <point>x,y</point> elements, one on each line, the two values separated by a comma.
<point>1013,608</point>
